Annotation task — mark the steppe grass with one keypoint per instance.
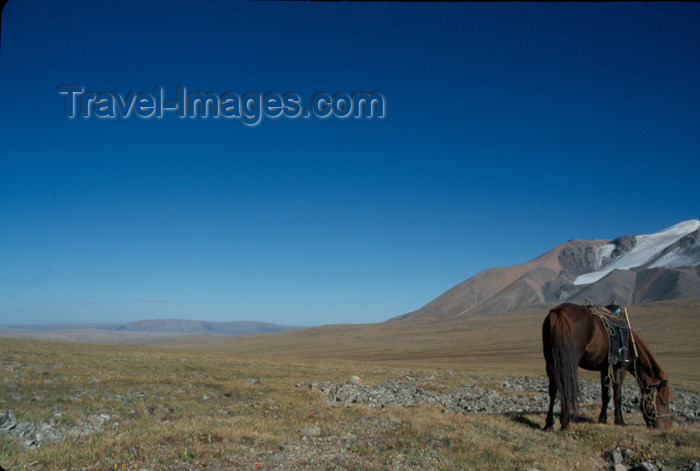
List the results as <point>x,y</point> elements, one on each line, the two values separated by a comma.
<point>501,345</point>
<point>196,408</point>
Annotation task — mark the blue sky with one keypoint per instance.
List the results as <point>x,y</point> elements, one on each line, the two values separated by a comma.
<point>508,129</point>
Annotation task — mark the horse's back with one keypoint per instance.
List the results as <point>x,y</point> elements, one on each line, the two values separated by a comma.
<point>565,314</point>
<point>575,319</point>
<point>575,315</point>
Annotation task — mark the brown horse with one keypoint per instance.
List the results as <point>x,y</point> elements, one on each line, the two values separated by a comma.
<point>573,336</point>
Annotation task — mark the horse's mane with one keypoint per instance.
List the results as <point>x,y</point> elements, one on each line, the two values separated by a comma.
<point>650,367</point>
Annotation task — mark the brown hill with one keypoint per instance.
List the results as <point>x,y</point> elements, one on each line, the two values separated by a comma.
<point>503,289</point>
<point>549,279</point>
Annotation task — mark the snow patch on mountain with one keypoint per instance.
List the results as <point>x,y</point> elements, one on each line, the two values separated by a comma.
<point>680,256</point>
<point>602,254</point>
<point>645,250</point>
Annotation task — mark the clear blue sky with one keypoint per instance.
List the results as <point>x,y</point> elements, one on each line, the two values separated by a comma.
<point>509,129</point>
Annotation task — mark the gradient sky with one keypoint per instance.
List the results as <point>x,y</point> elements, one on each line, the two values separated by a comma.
<point>509,129</point>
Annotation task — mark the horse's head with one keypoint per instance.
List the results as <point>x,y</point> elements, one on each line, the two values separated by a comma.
<point>655,405</point>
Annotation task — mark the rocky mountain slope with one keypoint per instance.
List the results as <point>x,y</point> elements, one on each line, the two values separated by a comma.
<point>630,269</point>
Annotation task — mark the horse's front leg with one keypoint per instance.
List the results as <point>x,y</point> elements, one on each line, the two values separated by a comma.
<point>605,397</point>
<point>619,376</point>
<point>552,395</point>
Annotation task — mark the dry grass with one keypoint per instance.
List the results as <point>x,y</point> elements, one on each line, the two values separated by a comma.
<point>236,404</point>
<point>496,345</point>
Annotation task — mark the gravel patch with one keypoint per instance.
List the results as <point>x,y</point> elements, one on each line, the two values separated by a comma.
<point>516,395</point>
<point>36,435</point>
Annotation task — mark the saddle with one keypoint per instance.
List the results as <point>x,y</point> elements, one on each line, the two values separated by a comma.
<point>617,328</point>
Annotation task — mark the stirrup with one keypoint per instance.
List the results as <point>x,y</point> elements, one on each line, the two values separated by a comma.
<point>624,354</point>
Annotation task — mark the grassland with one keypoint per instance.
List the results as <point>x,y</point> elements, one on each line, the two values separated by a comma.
<point>508,344</point>
<point>240,403</point>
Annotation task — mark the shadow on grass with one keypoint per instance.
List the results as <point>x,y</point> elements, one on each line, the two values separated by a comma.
<point>523,419</point>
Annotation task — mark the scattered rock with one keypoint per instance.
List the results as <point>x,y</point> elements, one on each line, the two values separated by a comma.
<point>614,456</point>
<point>308,432</point>
<point>7,421</point>
<point>519,395</point>
<point>645,467</point>
<point>319,449</point>
<point>36,435</point>
<point>623,460</point>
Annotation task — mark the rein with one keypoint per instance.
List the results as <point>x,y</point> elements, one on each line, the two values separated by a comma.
<point>649,411</point>
<point>612,322</point>
<point>648,399</point>
<point>648,392</point>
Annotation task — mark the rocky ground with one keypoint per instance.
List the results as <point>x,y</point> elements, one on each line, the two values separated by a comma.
<point>313,449</point>
<point>512,395</point>
<point>34,435</point>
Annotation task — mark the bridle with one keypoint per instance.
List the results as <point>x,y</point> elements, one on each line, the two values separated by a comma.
<point>648,404</point>
<point>649,392</point>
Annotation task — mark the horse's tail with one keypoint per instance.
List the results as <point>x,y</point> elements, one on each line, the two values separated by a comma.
<point>564,365</point>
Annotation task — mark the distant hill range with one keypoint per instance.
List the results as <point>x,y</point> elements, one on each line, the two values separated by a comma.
<point>156,327</point>
<point>629,269</point>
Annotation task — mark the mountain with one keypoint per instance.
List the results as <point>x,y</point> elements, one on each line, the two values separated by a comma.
<point>629,269</point>
<point>155,327</point>
<point>177,326</point>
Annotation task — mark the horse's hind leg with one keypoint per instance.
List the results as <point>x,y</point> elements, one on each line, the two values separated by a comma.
<point>605,397</point>
<point>552,396</point>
